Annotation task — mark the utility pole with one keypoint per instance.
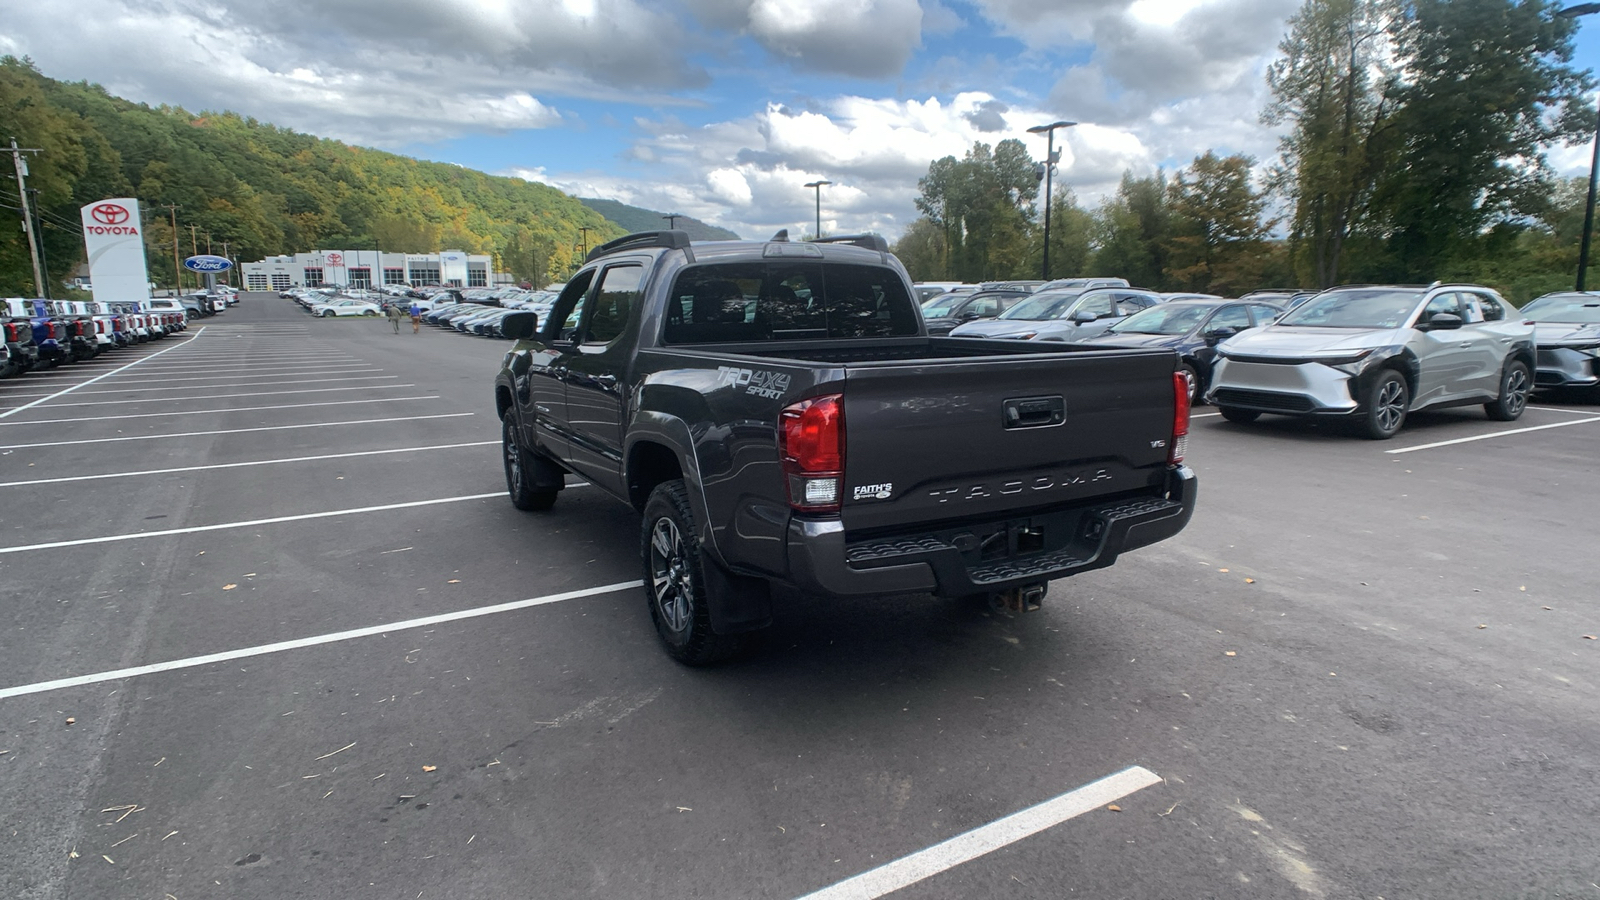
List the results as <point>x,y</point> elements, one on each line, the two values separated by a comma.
<point>584,253</point>
<point>44,255</point>
<point>819,185</point>
<point>194,240</point>
<point>1050,157</point>
<point>177,270</point>
<point>27,218</point>
<point>672,219</point>
<point>229,276</point>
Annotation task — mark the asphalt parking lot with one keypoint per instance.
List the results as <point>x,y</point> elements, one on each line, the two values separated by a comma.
<point>273,630</point>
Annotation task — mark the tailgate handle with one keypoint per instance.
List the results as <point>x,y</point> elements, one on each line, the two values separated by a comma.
<point>1035,412</point>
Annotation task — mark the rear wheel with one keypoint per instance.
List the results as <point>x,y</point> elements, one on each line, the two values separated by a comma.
<point>1387,402</point>
<point>1514,387</point>
<point>675,580</point>
<point>519,471</point>
<point>369,312</point>
<point>1239,416</point>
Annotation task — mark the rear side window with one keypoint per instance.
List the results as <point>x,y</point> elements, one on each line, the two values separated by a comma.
<point>784,301</point>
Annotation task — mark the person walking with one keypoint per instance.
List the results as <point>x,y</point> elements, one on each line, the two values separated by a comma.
<point>416,317</point>
<point>394,316</point>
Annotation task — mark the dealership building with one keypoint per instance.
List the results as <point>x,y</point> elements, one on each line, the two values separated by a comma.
<point>367,268</point>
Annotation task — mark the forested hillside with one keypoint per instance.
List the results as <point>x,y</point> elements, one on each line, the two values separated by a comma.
<point>264,190</point>
<point>634,218</point>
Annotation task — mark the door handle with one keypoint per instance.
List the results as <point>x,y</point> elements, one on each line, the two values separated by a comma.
<point>1466,344</point>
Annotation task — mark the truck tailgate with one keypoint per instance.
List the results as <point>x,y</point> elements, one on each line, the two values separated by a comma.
<point>932,440</point>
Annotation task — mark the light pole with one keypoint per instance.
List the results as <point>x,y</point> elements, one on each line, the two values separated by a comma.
<point>672,220</point>
<point>818,185</point>
<point>1572,12</point>
<point>1049,131</point>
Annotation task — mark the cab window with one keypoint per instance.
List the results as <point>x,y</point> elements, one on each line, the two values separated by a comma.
<point>568,309</point>
<point>613,303</point>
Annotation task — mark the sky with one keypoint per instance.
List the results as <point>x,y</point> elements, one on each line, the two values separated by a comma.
<point>718,109</point>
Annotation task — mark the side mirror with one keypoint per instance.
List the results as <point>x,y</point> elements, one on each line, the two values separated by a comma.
<point>1224,331</point>
<point>1083,316</point>
<point>968,315</point>
<point>1444,322</point>
<point>520,326</point>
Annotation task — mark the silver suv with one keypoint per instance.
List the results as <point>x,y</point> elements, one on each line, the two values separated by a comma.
<point>1377,352</point>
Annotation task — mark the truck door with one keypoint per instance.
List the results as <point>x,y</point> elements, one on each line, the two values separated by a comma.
<point>542,387</point>
<point>596,376</point>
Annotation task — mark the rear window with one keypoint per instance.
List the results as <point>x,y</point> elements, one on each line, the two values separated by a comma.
<point>786,301</point>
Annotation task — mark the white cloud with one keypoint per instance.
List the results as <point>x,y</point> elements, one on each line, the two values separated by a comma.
<point>749,174</point>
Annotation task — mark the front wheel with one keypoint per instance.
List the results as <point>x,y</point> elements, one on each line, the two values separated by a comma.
<point>369,312</point>
<point>675,580</point>
<point>1238,416</point>
<point>519,471</point>
<point>1387,402</point>
<point>1513,399</point>
<point>1192,377</point>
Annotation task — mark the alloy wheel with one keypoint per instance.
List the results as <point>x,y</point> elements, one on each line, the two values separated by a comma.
<point>1516,391</point>
<point>670,582</point>
<point>1391,405</point>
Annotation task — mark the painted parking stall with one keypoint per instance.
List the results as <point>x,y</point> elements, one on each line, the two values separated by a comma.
<point>274,617</point>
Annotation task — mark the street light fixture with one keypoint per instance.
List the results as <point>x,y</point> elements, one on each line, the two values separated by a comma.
<point>1050,157</point>
<point>1572,12</point>
<point>818,185</point>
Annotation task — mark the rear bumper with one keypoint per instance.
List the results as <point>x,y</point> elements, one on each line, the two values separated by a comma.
<point>950,562</point>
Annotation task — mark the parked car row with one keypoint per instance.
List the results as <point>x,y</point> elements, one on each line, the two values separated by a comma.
<point>445,307</point>
<point>48,333</point>
<point>1369,354</point>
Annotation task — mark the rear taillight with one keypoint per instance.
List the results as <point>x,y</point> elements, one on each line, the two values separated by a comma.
<point>1180,419</point>
<point>11,332</point>
<point>811,445</point>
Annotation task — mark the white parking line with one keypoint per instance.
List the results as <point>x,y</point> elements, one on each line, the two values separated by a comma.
<point>254,462</point>
<point>1485,437</point>
<point>374,387</point>
<point>137,535</point>
<point>299,643</point>
<point>963,848</point>
<point>315,370</point>
<point>1563,409</point>
<point>201,387</point>
<point>153,437</point>
<point>238,366</point>
<point>230,409</point>
<point>93,380</point>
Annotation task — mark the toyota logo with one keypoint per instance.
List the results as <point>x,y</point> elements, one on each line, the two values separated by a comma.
<point>109,214</point>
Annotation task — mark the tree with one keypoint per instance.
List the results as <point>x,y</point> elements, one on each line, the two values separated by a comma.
<point>984,205</point>
<point>1217,232</point>
<point>1131,230</point>
<point>923,251</point>
<point>1486,88</point>
<point>1332,86</point>
<point>1071,236</point>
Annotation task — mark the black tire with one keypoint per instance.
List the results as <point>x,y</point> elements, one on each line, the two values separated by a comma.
<point>1193,377</point>
<point>519,471</point>
<point>675,583</point>
<point>1515,385</point>
<point>1238,416</point>
<point>1388,399</point>
<point>369,313</point>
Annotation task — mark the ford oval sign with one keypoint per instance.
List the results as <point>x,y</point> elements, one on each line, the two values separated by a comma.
<point>204,263</point>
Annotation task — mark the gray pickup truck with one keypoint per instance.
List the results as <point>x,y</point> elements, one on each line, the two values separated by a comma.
<point>778,414</point>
